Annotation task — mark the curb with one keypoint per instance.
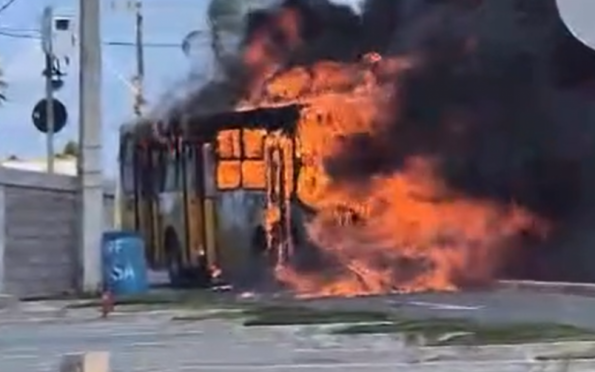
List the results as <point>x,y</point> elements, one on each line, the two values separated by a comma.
<point>579,289</point>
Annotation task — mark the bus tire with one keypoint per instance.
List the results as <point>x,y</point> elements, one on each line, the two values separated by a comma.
<point>202,276</point>
<point>173,254</point>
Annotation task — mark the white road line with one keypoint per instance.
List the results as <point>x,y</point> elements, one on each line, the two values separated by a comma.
<point>149,344</point>
<point>17,357</point>
<point>156,333</point>
<point>442,306</point>
<point>19,350</point>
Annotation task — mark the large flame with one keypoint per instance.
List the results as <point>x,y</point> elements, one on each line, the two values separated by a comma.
<point>410,231</point>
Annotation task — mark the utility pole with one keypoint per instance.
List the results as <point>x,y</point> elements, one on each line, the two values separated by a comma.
<point>139,99</point>
<point>90,141</point>
<point>48,16</point>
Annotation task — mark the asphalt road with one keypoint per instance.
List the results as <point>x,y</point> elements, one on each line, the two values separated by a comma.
<point>152,342</point>
<point>490,307</point>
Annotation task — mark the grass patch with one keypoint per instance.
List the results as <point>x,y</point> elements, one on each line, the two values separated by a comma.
<point>580,355</point>
<point>283,316</point>
<point>229,314</point>
<point>465,332</point>
<point>184,299</point>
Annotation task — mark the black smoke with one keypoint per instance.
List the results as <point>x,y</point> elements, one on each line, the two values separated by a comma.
<point>489,108</point>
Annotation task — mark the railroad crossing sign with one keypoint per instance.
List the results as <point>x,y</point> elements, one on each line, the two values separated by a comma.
<point>40,120</point>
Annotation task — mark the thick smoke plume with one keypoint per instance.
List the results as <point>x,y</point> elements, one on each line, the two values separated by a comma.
<point>485,108</point>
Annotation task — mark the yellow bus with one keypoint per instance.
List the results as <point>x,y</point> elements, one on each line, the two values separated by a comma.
<point>197,190</point>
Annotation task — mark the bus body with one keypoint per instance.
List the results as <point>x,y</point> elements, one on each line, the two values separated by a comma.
<point>199,197</point>
<point>164,197</point>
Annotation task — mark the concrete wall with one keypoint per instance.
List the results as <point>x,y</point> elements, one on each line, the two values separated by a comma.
<point>38,241</point>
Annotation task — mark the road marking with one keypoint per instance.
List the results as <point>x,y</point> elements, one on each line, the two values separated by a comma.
<point>19,350</point>
<point>18,357</point>
<point>442,306</point>
<point>149,344</point>
<point>156,333</point>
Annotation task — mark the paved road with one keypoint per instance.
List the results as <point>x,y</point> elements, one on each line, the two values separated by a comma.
<point>495,306</point>
<point>155,343</point>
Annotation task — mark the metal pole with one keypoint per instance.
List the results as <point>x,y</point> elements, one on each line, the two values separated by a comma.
<point>140,62</point>
<point>90,141</point>
<point>138,100</point>
<point>49,94</point>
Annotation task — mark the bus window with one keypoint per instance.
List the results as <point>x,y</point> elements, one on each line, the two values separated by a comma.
<point>229,174</point>
<point>228,144</point>
<point>173,173</point>
<point>145,171</point>
<point>152,169</point>
<point>161,162</point>
<point>254,174</point>
<point>253,143</point>
<point>191,166</point>
<point>127,168</point>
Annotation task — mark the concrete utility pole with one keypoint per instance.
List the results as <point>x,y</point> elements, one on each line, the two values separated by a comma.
<point>90,141</point>
<point>49,97</point>
<point>139,99</point>
<point>48,17</point>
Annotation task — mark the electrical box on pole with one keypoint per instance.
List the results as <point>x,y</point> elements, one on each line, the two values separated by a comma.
<point>58,34</point>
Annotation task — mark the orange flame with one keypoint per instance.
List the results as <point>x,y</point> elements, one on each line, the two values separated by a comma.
<point>412,232</point>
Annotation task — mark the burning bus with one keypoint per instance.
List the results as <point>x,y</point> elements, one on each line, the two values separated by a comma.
<point>426,158</point>
<point>198,192</point>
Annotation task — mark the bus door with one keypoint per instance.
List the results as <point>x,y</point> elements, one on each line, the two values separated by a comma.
<point>193,195</point>
<point>206,180</point>
<point>156,174</point>
<point>148,175</point>
<point>279,160</point>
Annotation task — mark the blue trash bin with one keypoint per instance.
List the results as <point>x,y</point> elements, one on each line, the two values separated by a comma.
<point>124,263</point>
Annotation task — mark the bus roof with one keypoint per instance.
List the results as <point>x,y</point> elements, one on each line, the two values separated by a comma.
<point>207,125</point>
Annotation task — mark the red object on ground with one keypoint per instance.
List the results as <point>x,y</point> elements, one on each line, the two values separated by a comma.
<point>107,303</point>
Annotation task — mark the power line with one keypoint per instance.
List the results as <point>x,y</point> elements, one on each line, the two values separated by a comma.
<point>6,5</point>
<point>17,35</point>
<point>17,29</point>
<point>150,44</point>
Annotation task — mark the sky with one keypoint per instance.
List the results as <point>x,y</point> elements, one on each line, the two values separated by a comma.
<point>166,22</point>
<point>21,59</point>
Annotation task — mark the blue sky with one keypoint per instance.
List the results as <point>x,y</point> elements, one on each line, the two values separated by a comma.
<point>166,21</point>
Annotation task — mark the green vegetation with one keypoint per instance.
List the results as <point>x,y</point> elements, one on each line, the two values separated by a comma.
<point>71,148</point>
<point>297,315</point>
<point>439,332</point>
<point>226,314</point>
<point>166,299</point>
<point>254,315</point>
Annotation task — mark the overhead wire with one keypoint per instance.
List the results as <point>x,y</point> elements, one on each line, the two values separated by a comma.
<point>22,35</point>
<point>6,5</point>
<point>36,34</point>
